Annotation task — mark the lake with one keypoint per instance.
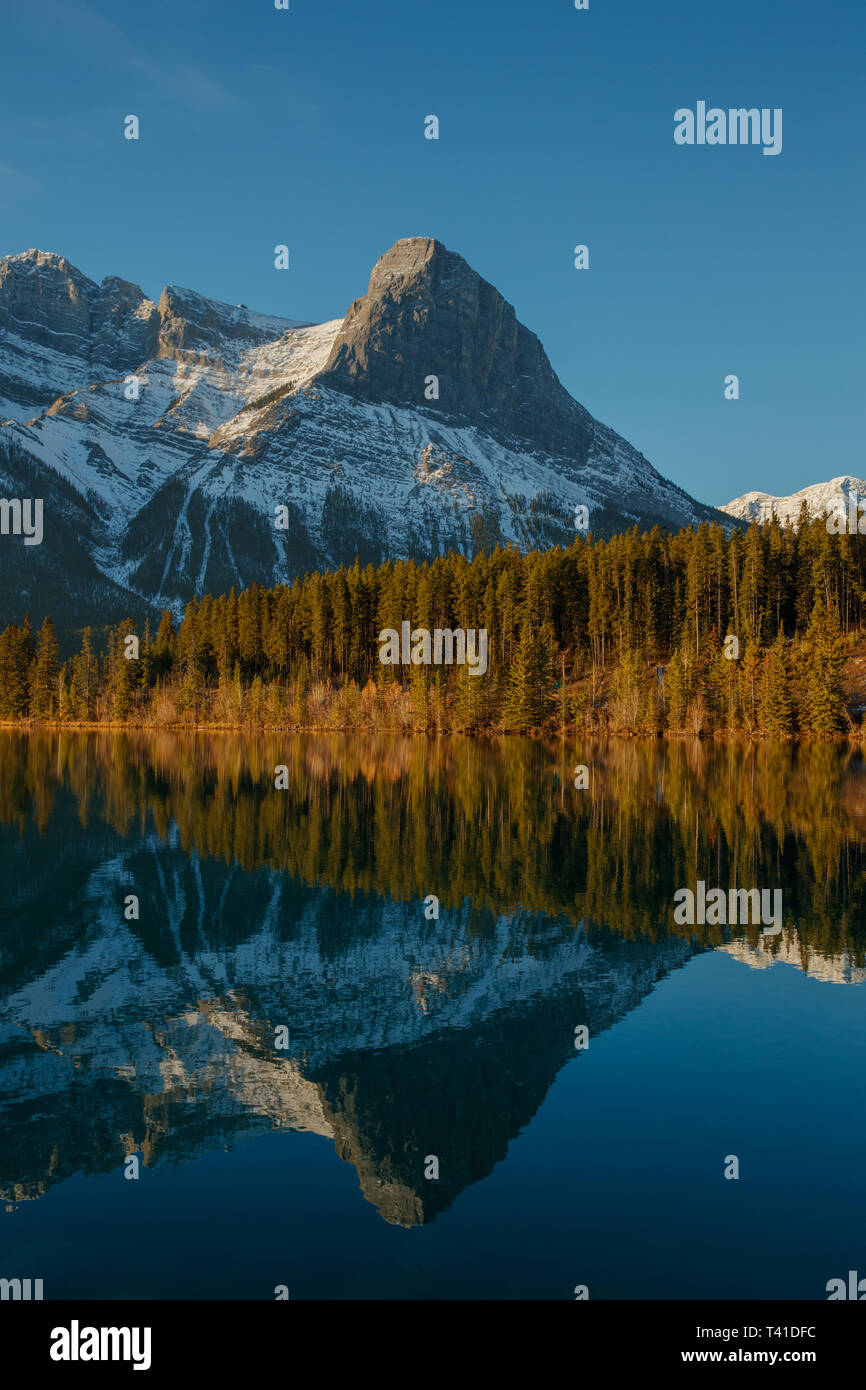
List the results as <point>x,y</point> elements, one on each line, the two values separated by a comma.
<point>419,1022</point>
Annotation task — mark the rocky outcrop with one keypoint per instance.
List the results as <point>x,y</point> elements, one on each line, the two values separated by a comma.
<point>427,312</point>
<point>60,331</point>
<point>193,327</point>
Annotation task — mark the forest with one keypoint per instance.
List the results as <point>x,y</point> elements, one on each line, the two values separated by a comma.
<point>485,824</point>
<point>702,632</point>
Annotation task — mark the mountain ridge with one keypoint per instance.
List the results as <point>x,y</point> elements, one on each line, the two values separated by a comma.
<point>818,497</point>
<point>427,419</point>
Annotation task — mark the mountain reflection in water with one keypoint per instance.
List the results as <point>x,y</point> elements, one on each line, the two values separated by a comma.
<point>305,908</point>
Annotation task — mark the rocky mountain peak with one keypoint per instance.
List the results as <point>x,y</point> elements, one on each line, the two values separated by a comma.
<point>408,258</point>
<point>60,330</point>
<point>428,313</point>
<point>193,325</point>
<point>42,295</point>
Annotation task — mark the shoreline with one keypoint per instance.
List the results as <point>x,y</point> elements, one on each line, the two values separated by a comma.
<point>854,737</point>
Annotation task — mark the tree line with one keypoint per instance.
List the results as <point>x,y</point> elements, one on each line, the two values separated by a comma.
<point>699,631</point>
<point>486,823</point>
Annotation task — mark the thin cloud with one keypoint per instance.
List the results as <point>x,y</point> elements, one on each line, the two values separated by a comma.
<point>15,187</point>
<point>113,48</point>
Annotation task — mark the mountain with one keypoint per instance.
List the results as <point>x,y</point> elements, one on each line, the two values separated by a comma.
<point>819,498</point>
<point>407,1035</point>
<point>163,436</point>
<point>790,949</point>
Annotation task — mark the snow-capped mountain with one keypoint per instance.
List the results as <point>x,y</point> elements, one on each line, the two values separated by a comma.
<point>831,496</point>
<point>164,436</point>
<point>158,1038</point>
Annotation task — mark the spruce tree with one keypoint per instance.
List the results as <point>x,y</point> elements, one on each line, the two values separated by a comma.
<point>85,678</point>
<point>418,697</point>
<point>627,685</point>
<point>66,708</point>
<point>543,673</point>
<point>563,703</point>
<point>733,704</point>
<point>750,667</point>
<point>121,677</point>
<point>15,659</point>
<point>518,701</point>
<point>825,704</point>
<point>161,653</point>
<point>712,678</point>
<point>775,706</point>
<point>530,685</point>
<point>677,688</point>
<point>44,674</point>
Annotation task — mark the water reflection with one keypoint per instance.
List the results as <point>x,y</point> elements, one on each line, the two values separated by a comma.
<point>304,908</point>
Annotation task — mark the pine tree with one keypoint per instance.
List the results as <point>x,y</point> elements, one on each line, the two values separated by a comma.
<point>121,673</point>
<point>543,674</point>
<point>256,706</point>
<point>775,706</point>
<point>530,687</point>
<point>66,709</point>
<point>519,700</point>
<point>712,679</point>
<point>470,699</point>
<point>650,716</point>
<point>627,684</point>
<point>749,673</point>
<point>825,704</point>
<point>44,674</point>
<point>677,690</point>
<point>15,658</point>
<point>564,704</point>
<point>733,706</point>
<point>299,705</point>
<point>418,696</point>
<point>85,678</point>
<point>161,654</point>
<point>438,701</point>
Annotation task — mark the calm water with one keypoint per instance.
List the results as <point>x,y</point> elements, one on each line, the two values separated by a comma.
<point>411,1037</point>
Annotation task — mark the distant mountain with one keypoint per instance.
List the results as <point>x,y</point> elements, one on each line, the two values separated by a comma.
<point>163,436</point>
<point>819,498</point>
<point>789,949</point>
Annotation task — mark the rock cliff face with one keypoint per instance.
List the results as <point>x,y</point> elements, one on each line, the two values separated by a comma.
<point>428,312</point>
<point>155,492</point>
<point>196,329</point>
<point>60,331</point>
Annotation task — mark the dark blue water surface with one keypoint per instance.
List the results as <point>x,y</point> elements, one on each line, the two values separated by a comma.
<point>414,1038</point>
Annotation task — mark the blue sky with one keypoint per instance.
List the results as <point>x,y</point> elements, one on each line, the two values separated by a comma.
<point>305,127</point>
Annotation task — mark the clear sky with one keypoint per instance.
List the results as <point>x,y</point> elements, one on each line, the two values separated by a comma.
<point>306,127</point>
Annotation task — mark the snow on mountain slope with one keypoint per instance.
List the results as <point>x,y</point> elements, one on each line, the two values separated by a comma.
<point>60,331</point>
<point>167,1032</point>
<point>167,433</point>
<point>819,498</point>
